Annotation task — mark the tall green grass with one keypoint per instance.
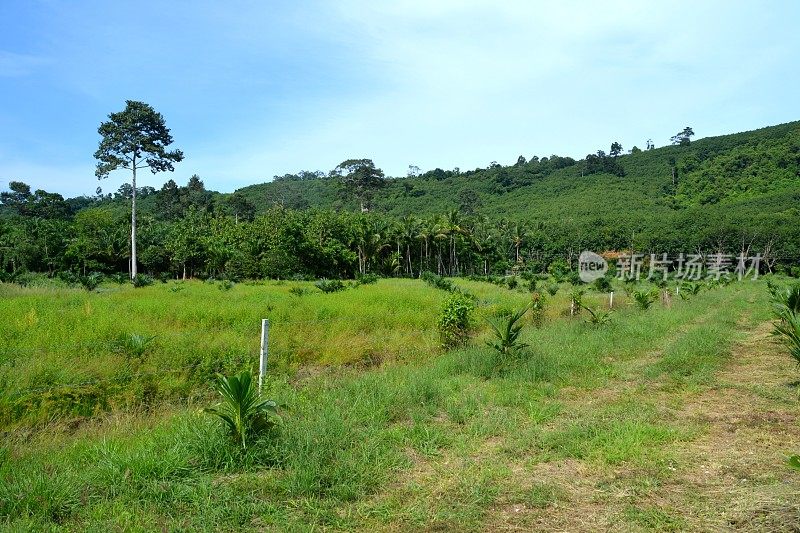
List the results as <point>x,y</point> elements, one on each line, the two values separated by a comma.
<point>349,435</point>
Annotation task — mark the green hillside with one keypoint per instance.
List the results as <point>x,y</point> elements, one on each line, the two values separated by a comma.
<point>729,170</point>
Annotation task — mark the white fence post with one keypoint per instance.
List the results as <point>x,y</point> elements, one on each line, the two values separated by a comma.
<point>262,362</point>
<point>611,300</point>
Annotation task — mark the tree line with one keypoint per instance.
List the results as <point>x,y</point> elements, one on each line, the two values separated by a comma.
<point>188,231</point>
<point>209,240</point>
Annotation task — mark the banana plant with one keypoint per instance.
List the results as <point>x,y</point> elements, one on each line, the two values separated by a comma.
<point>242,409</point>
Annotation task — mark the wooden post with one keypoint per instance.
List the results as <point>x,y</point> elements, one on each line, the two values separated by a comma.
<point>262,362</point>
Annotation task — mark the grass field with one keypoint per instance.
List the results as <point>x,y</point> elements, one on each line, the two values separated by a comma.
<point>680,417</point>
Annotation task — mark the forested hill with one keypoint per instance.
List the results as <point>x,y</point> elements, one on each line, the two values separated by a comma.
<point>756,168</point>
<point>735,193</point>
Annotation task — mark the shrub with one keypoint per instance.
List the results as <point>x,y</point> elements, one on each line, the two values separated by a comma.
<point>552,288</point>
<point>66,276</point>
<point>455,320</point>
<point>330,285</point>
<point>438,282</point>
<point>92,281</point>
<point>531,284</point>
<point>576,300</point>
<point>602,284</point>
<point>226,285</point>
<point>142,280</point>
<point>645,298</point>
<point>367,279</point>
<point>788,328</point>
<point>298,291</point>
<point>538,301</point>
<point>119,278</point>
<point>689,288</point>
<point>507,331</point>
<point>786,299</point>
<point>786,308</point>
<point>242,409</point>
<point>598,317</point>
<point>559,269</point>
<point>512,282</point>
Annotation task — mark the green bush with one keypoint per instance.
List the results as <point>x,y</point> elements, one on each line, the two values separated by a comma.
<point>92,281</point>
<point>598,317</point>
<point>330,285</point>
<point>786,308</point>
<point>455,320</point>
<point>602,284</point>
<point>226,285</point>
<point>576,300</point>
<point>298,291</point>
<point>119,278</point>
<point>538,302</point>
<point>552,288</point>
<point>66,276</point>
<point>177,286</point>
<point>645,298</point>
<point>367,279</point>
<point>784,299</point>
<point>559,270</point>
<point>438,282</point>
<point>788,329</point>
<point>142,280</point>
<point>689,288</point>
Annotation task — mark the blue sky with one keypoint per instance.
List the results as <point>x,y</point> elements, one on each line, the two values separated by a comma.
<point>254,89</point>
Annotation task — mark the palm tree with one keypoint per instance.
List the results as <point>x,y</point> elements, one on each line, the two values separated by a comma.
<point>409,227</point>
<point>425,233</point>
<point>242,408</point>
<point>452,227</point>
<point>484,242</point>
<point>370,242</point>
<point>517,235</point>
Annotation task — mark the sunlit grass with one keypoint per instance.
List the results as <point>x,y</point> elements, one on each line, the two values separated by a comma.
<point>425,440</point>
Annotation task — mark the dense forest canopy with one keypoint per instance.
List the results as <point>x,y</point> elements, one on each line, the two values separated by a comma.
<point>735,193</point>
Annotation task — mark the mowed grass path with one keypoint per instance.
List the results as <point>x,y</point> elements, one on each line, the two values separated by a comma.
<point>592,429</point>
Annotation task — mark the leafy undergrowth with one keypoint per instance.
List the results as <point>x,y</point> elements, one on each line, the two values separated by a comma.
<point>562,437</point>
